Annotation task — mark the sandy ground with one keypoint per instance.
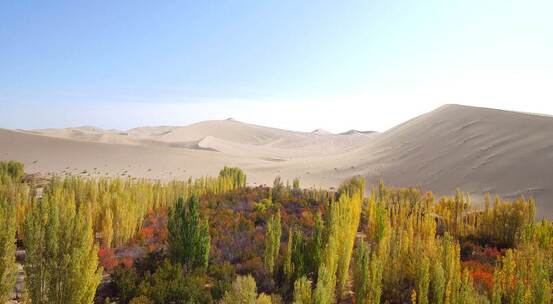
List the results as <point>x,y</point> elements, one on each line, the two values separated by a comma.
<point>478,150</point>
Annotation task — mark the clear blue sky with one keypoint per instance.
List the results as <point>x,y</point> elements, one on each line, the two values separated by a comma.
<point>291,64</point>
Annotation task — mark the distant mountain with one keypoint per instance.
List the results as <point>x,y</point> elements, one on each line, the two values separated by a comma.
<point>356,132</point>
<point>320,132</point>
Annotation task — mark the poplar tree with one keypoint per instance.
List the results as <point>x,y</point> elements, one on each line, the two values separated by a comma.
<point>244,291</point>
<point>7,248</point>
<point>236,175</point>
<point>302,291</point>
<point>61,258</point>
<point>343,222</point>
<point>272,242</point>
<point>348,216</point>
<point>189,239</point>
<point>367,275</point>
<point>423,280</point>
<point>298,255</point>
<point>107,228</point>
<point>288,266</point>
<point>438,283</point>
<point>361,273</point>
<point>326,279</point>
<point>314,248</point>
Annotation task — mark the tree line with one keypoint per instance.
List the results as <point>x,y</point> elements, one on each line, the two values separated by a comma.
<point>293,245</point>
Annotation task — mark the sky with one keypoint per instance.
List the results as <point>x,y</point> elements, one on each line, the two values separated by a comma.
<point>299,65</point>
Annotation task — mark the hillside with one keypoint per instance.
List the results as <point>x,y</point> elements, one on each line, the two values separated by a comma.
<point>478,150</point>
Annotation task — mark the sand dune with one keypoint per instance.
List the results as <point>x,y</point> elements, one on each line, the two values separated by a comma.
<point>479,150</point>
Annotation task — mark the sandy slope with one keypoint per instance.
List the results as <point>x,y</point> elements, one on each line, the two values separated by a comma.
<point>476,149</point>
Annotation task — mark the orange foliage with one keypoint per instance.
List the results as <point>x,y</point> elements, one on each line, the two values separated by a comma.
<point>107,258</point>
<point>481,273</point>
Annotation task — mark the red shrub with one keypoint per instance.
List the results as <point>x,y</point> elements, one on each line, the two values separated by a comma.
<point>483,279</point>
<point>492,252</point>
<point>481,273</point>
<point>107,258</point>
<point>146,233</point>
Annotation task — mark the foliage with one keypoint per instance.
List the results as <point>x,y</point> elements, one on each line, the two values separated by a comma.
<point>272,242</point>
<point>367,275</point>
<point>302,291</point>
<point>189,239</point>
<point>141,300</point>
<point>7,248</point>
<point>401,245</point>
<point>61,261</point>
<point>11,170</point>
<point>236,175</point>
<point>169,284</point>
<point>244,291</point>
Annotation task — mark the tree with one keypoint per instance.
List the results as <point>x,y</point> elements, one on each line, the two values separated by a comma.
<point>438,283</point>
<point>7,248</point>
<point>169,284</point>
<point>236,175</point>
<point>302,291</point>
<point>348,217</point>
<point>288,266</point>
<point>343,222</point>
<point>423,280</point>
<point>314,248</point>
<point>272,242</point>
<point>367,275</point>
<point>277,192</point>
<point>62,260</point>
<point>263,299</point>
<point>12,170</point>
<point>107,228</point>
<point>189,239</point>
<point>296,186</point>
<point>298,252</point>
<point>244,291</point>
<point>126,282</point>
<point>294,257</point>
<point>361,275</point>
<point>141,300</point>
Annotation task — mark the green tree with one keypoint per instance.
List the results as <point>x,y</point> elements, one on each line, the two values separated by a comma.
<point>314,248</point>
<point>361,273</point>
<point>7,248</point>
<point>423,280</point>
<point>294,257</point>
<point>348,217</point>
<point>62,261</point>
<point>169,284</point>
<point>302,291</point>
<point>288,266</point>
<point>272,242</point>
<point>189,239</point>
<point>244,291</point>
<point>298,255</point>
<point>236,175</point>
<point>107,228</point>
<point>438,283</point>
<point>12,170</point>
<point>126,283</point>
<point>367,275</point>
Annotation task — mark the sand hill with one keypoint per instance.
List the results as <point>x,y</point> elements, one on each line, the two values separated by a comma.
<point>479,150</point>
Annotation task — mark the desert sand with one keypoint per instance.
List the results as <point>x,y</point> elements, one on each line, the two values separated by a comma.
<point>475,149</point>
